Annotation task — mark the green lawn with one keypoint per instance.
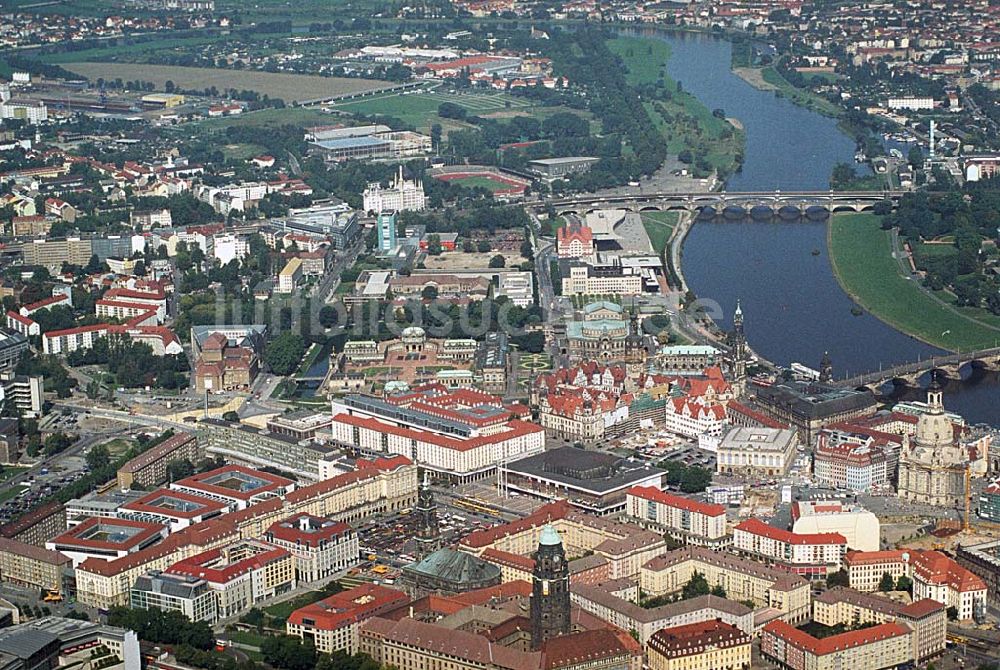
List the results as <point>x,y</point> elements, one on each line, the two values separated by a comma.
<point>247,637</point>
<point>862,260</point>
<point>660,226</point>
<point>490,185</point>
<point>295,116</point>
<point>284,609</point>
<point>799,96</point>
<point>683,120</point>
<point>131,52</point>
<point>421,109</point>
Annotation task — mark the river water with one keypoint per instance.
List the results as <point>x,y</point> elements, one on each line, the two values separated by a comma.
<point>794,308</point>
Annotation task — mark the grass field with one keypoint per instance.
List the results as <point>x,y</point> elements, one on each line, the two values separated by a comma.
<point>6,474</point>
<point>420,109</point>
<point>799,96</point>
<point>683,120</point>
<point>264,118</point>
<point>284,609</point>
<point>660,226</point>
<point>288,87</point>
<point>491,185</point>
<point>861,253</point>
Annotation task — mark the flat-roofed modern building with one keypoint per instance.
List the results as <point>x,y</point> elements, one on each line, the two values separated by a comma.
<point>187,594</point>
<point>257,448</point>
<point>106,539</point>
<point>175,509</point>
<point>594,481</point>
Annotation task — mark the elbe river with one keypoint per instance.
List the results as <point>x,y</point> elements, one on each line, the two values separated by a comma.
<point>794,308</point>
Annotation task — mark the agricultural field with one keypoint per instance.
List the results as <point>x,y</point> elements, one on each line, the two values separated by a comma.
<point>288,87</point>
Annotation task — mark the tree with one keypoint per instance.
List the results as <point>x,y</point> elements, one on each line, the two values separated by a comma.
<point>717,590</point>
<point>231,416</point>
<point>904,583</point>
<point>288,653</point>
<point>695,479</point>
<point>284,353</point>
<point>56,443</point>
<point>429,292</point>
<point>98,457</point>
<point>498,261</point>
<point>915,157</point>
<point>696,586</point>
<point>887,583</point>
<point>952,613</point>
<point>434,245</point>
<point>839,578</point>
<point>179,469</point>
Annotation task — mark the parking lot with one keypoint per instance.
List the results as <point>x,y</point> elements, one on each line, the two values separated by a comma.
<point>388,543</point>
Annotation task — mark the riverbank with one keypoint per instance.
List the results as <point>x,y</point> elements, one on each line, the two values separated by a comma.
<point>704,139</point>
<point>755,77</point>
<point>861,254</point>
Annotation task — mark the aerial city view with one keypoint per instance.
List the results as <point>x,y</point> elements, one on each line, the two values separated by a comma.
<point>500,335</point>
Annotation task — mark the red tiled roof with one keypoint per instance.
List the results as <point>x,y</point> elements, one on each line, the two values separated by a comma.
<point>516,428</point>
<point>853,557</point>
<point>757,527</point>
<point>351,606</point>
<point>73,538</point>
<point>200,565</point>
<point>144,504</point>
<point>671,500</point>
<point>936,568</point>
<point>855,638</point>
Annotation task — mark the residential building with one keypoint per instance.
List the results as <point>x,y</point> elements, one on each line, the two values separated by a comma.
<point>813,555</point>
<point>686,520</point>
<point>756,452</point>
<point>32,567</point>
<point>149,468</point>
<point>927,619</point>
<point>256,448</point>
<point>321,547</point>
<point>175,509</point>
<point>646,621</point>
<point>983,560</point>
<point>235,485</point>
<point>37,526</point>
<point>383,486</point>
<point>332,624</point>
<point>301,424</point>
<point>887,645</point>
<point>290,276</point>
<point>866,568</point>
<point>706,644</point>
<point>743,580</point>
